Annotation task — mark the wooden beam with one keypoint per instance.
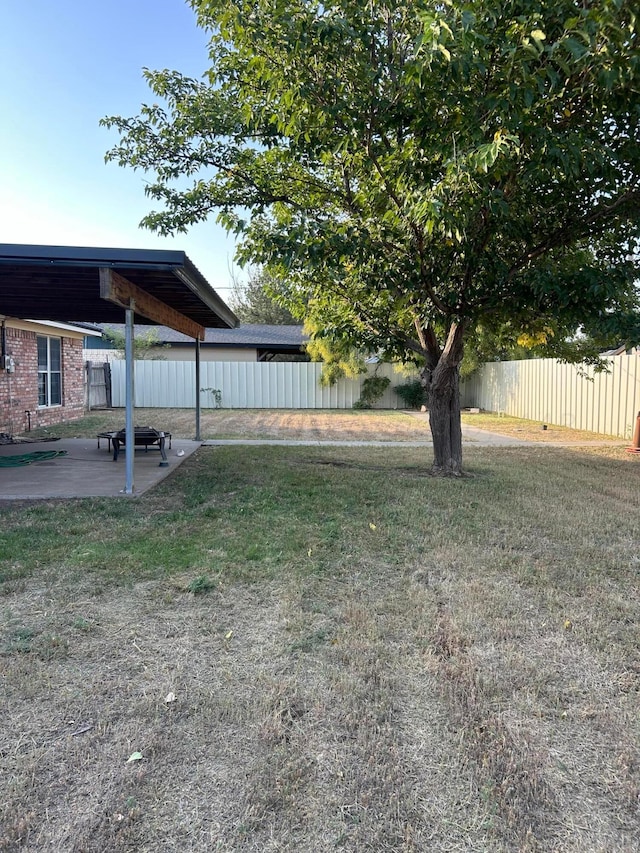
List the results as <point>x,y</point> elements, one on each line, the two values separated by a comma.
<point>115,288</point>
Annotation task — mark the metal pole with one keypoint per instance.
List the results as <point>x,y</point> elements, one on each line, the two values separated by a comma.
<point>130,441</point>
<point>198,389</point>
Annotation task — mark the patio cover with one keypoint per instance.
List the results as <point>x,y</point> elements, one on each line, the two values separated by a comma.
<point>63,283</point>
<point>95,285</point>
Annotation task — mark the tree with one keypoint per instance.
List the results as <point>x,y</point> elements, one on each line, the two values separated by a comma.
<point>412,170</point>
<point>145,346</point>
<point>339,357</point>
<point>251,302</point>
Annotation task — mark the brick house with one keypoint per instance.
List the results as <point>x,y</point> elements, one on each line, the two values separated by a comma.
<point>41,374</point>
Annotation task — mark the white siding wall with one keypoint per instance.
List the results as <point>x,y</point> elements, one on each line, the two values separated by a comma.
<point>562,394</point>
<point>244,385</point>
<point>206,354</point>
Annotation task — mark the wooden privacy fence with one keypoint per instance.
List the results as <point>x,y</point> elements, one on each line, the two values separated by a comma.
<point>563,394</point>
<point>98,385</point>
<point>244,385</point>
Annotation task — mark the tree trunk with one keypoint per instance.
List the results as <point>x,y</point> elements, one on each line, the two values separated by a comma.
<point>443,400</point>
<point>446,430</point>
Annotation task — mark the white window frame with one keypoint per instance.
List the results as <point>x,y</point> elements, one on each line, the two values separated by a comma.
<point>45,375</point>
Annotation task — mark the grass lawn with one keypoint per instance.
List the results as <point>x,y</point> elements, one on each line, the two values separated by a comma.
<point>313,424</point>
<point>319,649</point>
<point>529,430</point>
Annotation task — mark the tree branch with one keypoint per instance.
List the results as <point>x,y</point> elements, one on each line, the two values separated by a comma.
<point>575,230</point>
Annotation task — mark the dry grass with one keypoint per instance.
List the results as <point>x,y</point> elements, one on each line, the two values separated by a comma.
<point>311,424</point>
<point>529,430</point>
<point>381,661</point>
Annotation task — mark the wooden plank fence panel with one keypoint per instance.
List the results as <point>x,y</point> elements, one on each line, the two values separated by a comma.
<point>98,379</point>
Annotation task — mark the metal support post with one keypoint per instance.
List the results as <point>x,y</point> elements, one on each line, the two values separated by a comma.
<point>130,441</point>
<point>198,389</point>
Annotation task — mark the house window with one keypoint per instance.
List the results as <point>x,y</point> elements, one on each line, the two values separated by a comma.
<point>49,371</point>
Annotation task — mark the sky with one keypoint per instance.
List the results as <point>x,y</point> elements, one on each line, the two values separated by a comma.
<point>64,65</point>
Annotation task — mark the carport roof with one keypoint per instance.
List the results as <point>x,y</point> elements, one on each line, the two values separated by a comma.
<point>63,283</point>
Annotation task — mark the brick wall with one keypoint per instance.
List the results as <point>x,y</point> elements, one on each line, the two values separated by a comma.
<point>19,390</point>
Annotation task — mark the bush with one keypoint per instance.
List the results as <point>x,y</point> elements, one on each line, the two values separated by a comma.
<point>412,394</point>
<point>373,388</point>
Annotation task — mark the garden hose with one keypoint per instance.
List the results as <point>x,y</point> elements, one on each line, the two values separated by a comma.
<point>27,458</point>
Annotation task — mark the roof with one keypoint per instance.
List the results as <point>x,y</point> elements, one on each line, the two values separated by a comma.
<point>619,350</point>
<point>78,328</point>
<point>63,283</point>
<point>245,335</point>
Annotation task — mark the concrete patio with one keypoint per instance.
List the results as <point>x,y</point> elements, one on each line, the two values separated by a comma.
<point>86,470</point>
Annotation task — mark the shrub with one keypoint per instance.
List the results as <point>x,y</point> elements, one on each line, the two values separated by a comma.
<point>412,394</point>
<point>373,387</point>
<point>216,396</point>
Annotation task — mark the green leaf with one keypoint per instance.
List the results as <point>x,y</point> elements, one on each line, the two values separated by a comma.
<point>398,168</point>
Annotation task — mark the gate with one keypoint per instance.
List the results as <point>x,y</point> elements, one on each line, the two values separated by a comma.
<point>98,385</point>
